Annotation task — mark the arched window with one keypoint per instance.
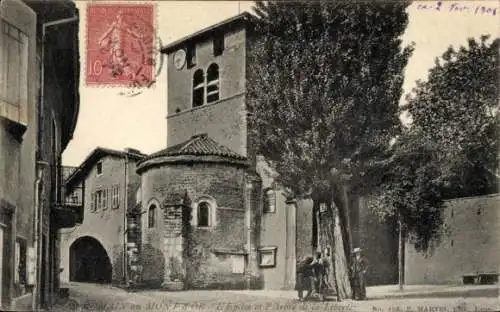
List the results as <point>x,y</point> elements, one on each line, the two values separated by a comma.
<point>151,216</point>
<point>213,83</point>
<point>198,88</point>
<point>203,214</point>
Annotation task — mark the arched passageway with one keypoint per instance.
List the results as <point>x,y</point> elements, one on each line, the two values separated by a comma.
<point>89,261</point>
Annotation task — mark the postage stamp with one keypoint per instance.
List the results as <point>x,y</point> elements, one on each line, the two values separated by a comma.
<point>120,44</point>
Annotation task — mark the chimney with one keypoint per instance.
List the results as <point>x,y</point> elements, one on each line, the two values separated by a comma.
<point>132,151</point>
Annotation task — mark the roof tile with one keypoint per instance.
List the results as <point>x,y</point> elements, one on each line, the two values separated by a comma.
<point>197,145</point>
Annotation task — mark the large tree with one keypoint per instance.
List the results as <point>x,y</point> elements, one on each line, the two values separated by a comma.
<point>324,83</point>
<point>450,149</point>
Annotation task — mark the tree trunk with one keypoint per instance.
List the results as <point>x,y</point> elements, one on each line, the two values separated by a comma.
<point>327,238</point>
<point>314,236</point>
<point>345,222</point>
<point>331,235</point>
<point>340,200</point>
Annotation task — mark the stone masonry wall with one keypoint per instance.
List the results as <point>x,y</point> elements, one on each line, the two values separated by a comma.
<point>223,120</point>
<point>379,241</point>
<point>224,184</point>
<point>470,244</point>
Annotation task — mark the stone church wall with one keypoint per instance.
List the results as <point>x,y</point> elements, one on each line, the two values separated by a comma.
<point>213,250</point>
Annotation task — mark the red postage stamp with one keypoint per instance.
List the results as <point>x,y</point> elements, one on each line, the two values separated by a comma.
<point>120,44</point>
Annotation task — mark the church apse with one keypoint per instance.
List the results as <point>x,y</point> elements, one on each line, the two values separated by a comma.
<point>204,243</point>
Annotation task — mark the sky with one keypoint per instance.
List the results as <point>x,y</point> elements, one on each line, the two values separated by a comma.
<point>107,118</point>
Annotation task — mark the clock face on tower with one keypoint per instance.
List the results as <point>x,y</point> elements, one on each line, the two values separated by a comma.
<point>179,59</point>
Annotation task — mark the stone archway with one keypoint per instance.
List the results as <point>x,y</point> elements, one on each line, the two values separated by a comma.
<point>89,261</point>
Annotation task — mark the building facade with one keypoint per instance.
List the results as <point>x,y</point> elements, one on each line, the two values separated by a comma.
<point>246,238</point>
<point>209,213</point>
<point>207,77</point>
<point>39,103</point>
<point>94,249</point>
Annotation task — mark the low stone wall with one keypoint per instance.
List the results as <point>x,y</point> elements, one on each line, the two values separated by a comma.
<point>470,244</point>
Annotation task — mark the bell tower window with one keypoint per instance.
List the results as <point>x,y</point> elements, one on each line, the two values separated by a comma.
<point>198,88</point>
<point>218,44</point>
<point>213,83</point>
<point>191,56</point>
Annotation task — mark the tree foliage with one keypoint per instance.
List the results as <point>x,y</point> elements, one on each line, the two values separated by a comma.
<point>450,150</point>
<point>324,82</point>
<point>324,87</point>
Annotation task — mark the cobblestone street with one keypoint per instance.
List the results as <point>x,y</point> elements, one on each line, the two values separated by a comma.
<point>93,297</point>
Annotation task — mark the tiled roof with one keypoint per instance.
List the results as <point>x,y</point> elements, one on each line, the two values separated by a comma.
<point>80,172</point>
<point>198,145</point>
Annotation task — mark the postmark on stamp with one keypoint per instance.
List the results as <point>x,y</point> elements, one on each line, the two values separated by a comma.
<point>121,47</point>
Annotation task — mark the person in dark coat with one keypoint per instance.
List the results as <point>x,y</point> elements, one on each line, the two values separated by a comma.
<point>305,277</point>
<point>320,267</point>
<point>358,270</point>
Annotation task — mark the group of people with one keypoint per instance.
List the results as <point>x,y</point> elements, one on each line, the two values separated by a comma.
<point>312,276</point>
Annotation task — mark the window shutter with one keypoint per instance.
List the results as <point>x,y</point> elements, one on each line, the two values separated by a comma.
<point>21,21</point>
<point>117,195</point>
<point>92,202</point>
<point>104,198</point>
<point>110,197</point>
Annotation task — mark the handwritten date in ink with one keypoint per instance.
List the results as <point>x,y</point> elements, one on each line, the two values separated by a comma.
<point>457,7</point>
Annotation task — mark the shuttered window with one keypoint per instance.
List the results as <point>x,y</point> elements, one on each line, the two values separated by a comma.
<point>17,34</point>
<point>115,201</point>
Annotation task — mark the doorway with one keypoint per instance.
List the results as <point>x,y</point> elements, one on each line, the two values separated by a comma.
<point>89,262</point>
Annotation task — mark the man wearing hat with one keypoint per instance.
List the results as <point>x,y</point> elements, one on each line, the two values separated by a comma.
<point>358,271</point>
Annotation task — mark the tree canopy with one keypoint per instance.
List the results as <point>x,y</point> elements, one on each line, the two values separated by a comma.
<point>324,86</point>
<point>450,150</point>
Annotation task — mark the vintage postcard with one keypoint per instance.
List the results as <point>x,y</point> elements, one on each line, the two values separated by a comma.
<point>249,155</point>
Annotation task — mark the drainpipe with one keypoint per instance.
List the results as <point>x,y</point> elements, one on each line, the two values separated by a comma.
<point>40,166</point>
<point>400,254</point>
<point>38,213</point>
<point>247,194</point>
<point>125,229</point>
<point>287,243</point>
